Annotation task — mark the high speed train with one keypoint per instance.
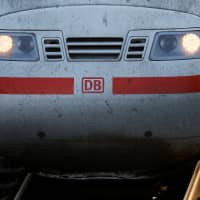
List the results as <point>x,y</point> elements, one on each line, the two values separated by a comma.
<point>93,86</point>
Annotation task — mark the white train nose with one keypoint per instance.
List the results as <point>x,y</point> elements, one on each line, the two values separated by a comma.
<point>91,95</point>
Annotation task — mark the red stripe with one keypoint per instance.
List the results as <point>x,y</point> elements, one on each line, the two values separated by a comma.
<point>36,85</point>
<point>156,85</point>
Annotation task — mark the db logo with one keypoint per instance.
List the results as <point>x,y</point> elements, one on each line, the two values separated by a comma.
<point>93,85</point>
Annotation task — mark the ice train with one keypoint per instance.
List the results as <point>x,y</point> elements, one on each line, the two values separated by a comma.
<point>99,86</point>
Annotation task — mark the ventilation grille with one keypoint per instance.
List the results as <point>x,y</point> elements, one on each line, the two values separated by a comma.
<point>92,49</point>
<point>136,48</point>
<point>52,49</point>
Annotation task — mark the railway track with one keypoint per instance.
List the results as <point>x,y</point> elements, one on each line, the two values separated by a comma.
<point>11,176</point>
<point>17,184</point>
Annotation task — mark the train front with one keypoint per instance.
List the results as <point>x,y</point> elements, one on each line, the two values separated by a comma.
<point>99,88</point>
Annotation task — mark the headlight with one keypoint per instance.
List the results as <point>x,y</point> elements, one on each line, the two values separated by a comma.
<point>176,46</point>
<point>18,46</point>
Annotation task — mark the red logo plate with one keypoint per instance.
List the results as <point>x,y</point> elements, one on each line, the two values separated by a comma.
<point>93,85</point>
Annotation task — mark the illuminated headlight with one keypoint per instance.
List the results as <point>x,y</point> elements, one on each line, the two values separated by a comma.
<point>176,46</point>
<point>18,46</point>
